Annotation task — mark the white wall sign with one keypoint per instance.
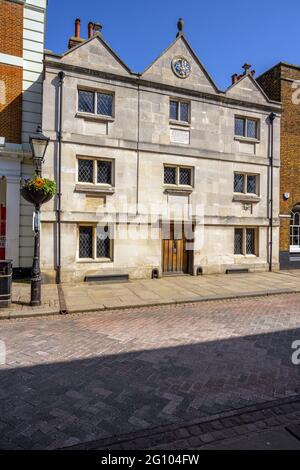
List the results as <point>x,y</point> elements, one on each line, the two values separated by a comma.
<point>179,136</point>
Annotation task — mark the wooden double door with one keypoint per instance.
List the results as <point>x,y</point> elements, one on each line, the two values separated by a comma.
<point>176,258</point>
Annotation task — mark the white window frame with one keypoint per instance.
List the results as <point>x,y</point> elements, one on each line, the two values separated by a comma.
<point>95,161</point>
<point>245,185</point>
<point>177,176</point>
<point>294,248</point>
<point>256,242</point>
<point>94,243</point>
<point>95,114</point>
<point>245,137</point>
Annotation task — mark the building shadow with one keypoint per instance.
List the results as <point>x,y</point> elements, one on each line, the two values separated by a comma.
<point>54,405</point>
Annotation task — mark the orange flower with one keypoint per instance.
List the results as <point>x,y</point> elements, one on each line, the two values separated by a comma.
<point>39,182</point>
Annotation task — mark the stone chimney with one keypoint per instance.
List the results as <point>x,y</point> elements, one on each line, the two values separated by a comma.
<point>75,40</point>
<point>94,28</point>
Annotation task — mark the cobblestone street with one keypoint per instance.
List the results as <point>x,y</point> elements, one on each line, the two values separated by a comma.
<point>75,379</point>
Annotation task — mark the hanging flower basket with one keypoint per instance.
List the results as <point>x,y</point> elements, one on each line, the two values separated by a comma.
<point>38,190</point>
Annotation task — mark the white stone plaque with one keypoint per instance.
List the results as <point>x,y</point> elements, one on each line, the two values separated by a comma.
<point>179,136</point>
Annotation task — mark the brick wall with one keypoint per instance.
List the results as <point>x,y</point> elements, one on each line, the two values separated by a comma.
<point>11,102</point>
<point>11,28</point>
<point>278,85</point>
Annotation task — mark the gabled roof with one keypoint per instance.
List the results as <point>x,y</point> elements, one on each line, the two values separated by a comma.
<point>182,37</point>
<point>255,83</point>
<point>98,37</point>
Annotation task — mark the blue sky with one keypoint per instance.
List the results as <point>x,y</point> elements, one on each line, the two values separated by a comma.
<point>224,34</point>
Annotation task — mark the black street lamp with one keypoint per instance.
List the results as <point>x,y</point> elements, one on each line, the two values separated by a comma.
<point>39,144</point>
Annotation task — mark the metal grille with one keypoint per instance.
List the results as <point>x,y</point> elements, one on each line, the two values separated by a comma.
<point>238,241</point>
<point>250,241</point>
<point>104,172</point>
<point>251,128</point>
<point>185,176</point>
<point>238,183</point>
<point>174,110</point>
<point>184,112</point>
<point>86,101</point>
<point>85,171</point>
<point>251,184</point>
<point>85,242</point>
<point>104,104</point>
<point>170,175</point>
<point>103,242</point>
<point>239,126</point>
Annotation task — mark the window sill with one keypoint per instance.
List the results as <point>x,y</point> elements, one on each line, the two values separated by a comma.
<point>245,256</point>
<point>95,117</point>
<point>94,189</point>
<point>96,260</point>
<point>249,140</point>
<point>186,190</point>
<point>173,122</point>
<point>246,198</point>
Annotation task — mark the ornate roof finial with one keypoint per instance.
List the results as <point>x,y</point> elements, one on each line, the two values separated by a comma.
<point>246,67</point>
<point>180,25</point>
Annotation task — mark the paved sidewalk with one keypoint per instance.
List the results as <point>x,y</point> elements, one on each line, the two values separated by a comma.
<point>89,297</point>
<point>73,379</point>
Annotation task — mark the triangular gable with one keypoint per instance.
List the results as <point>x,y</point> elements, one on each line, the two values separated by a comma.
<point>247,89</point>
<point>161,69</point>
<point>96,54</point>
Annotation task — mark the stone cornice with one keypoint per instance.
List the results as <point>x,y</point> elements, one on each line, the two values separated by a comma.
<point>138,82</point>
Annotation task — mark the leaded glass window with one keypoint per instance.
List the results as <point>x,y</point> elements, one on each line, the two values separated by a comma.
<point>185,176</point>
<point>244,183</point>
<point>174,110</point>
<point>239,183</point>
<point>85,242</point>
<point>103,242</point>
<point>184,112</point>
<point>104,172</point>
<point>245,241</point>
<point>170,175</point>
<point>251,128</point>
<point>250,241</point>
<point>86,101</point>
<point>105,104</point>
<point>251,184</point>
<point>239,127</point>
<point>85,171</point>
<point>238,241</point>
<point>179,111</point>
<point>246,127</point>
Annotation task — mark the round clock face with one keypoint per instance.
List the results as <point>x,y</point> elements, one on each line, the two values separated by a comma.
<point>181,67</point>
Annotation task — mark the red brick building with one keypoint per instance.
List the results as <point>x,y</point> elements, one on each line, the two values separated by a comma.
<point>282,83</point>
<point>21,66</point>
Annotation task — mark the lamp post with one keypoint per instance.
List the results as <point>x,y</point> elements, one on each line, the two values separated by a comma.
<point>39,144</point>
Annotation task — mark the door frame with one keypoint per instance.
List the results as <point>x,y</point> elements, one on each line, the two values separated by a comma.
<point>190,254</point>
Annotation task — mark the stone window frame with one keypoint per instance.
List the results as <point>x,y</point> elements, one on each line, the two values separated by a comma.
<point>244,253</point>
<point>95,115</point>
<point>245,137</point>
<point>245,175</point>
<point>178,121</point>
<point>95,161</point>
<point>94,258</point>
<point>177,184</point>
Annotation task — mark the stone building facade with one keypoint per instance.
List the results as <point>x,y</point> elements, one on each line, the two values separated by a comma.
<point>144,155</point>
<point>22,25</point>
<point>282,83</point>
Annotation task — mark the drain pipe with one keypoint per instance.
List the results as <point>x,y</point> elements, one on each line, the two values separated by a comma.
<point>272,117</point>
<point>61,77</point>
